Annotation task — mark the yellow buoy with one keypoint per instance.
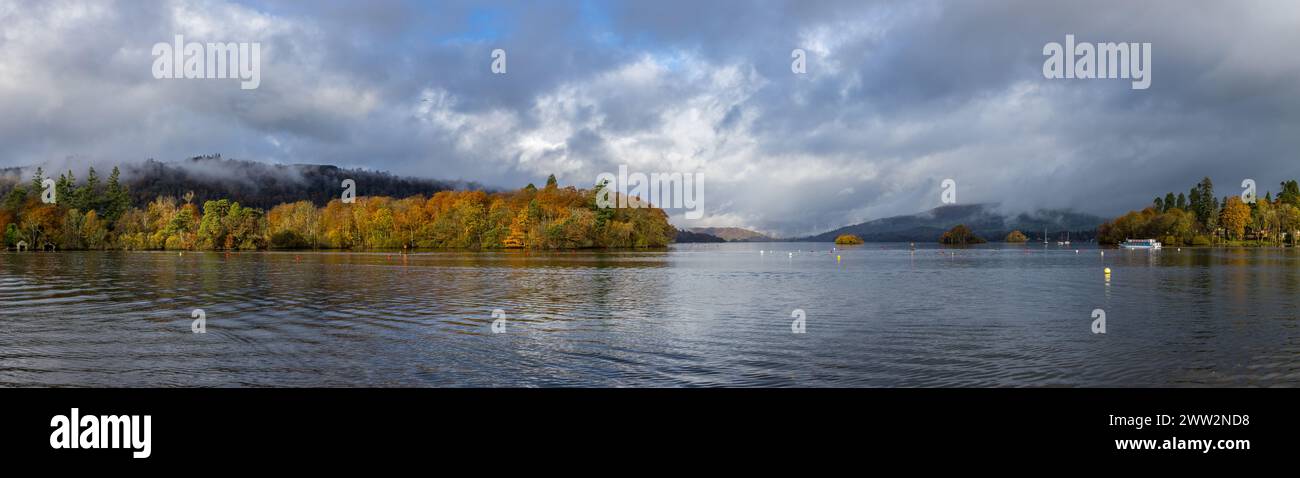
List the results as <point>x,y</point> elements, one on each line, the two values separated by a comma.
<point>837,258</point>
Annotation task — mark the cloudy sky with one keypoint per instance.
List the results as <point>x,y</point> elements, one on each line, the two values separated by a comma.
<point>897,97</point>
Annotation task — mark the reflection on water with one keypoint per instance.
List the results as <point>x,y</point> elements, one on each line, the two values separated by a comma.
<point>694,315</point>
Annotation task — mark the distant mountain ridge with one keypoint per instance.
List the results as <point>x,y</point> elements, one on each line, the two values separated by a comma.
<point>733,234</point>
<point>685,236</point>
<point>983,219</point>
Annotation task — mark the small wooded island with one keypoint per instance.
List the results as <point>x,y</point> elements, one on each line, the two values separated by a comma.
<point>960,235</point>
<point>848,240</point>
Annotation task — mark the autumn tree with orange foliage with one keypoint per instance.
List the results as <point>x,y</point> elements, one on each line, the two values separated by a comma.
<point>1234,217</point>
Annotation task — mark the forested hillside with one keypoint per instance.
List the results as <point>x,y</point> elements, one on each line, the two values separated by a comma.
<point>97,214</point>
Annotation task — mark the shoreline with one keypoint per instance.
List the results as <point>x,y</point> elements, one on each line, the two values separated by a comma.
<point>846,247</point>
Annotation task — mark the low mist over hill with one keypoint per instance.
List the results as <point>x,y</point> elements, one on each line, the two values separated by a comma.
<point>250,183</point>
<point>265,185</point>
<point>983,219</point>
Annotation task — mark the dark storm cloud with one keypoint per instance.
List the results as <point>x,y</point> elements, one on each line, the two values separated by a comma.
<point>898,96</point>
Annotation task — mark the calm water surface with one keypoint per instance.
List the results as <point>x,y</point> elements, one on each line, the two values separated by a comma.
<point>693,315</point>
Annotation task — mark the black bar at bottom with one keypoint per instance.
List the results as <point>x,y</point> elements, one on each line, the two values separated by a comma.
<point>323,427</point>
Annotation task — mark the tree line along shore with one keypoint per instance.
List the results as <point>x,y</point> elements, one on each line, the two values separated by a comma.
<point>1197,218</point>
<point>1200,218</point>
<point>96,215</point>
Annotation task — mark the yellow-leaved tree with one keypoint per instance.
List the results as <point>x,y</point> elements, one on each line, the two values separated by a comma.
<point>1234,217</point>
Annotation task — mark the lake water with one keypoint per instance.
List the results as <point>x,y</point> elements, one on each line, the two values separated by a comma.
<point>693,315</point>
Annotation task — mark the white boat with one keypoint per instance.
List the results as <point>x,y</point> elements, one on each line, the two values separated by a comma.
<point>1140,244</point>
<point>1066,242</point>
